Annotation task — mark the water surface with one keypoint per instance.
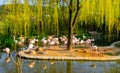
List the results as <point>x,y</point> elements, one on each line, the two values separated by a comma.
<point>18,65</point>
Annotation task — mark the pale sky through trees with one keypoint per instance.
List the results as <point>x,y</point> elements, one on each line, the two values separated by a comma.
<point>2,2</point>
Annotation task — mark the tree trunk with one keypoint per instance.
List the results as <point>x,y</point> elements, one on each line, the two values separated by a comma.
<point>70,29</point>
<point>70,33</point>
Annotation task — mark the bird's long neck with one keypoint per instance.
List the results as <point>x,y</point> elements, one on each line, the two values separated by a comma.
<point>9,54</point>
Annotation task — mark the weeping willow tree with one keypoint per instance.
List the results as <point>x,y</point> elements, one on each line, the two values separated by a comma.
<point>100,12</point>
<point>31,17</point>
<point>36,17</point>
<point>51,17</point>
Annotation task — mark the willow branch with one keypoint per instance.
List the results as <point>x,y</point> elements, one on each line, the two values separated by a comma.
<point>63,15</point>
<point>76,14</point>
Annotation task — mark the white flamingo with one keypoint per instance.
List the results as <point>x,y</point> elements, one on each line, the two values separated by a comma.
<point>44,42</point>
<point>7,50</point>
<point>95,48</point>
<point>65,42</point>
<point>32,41</point>
<point>88,42</point>
<point>30,46</point>
<point>51,43</point>
<point>82,42</point>
<point>56,40</point>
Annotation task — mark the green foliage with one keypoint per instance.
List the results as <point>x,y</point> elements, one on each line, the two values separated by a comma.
<point>85,34</point>
<point>6,41</point>
<point>50,17</point>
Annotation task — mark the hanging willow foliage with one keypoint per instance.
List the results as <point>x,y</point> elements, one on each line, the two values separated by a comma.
<point>55,17</point>
<point>102,12</point>
<point>35,17</point>
<point>39,16</point>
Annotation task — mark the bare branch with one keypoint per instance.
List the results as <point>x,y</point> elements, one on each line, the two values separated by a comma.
<point>77,11</point>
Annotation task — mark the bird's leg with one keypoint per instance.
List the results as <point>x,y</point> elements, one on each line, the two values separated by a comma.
<point>44,46</point>
<point>96,51</point>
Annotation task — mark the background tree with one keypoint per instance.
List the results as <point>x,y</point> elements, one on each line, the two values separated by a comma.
<point>95,12</point>
<point>58,17</point>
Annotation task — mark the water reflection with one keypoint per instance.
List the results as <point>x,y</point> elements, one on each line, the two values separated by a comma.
<point>93,65</point>
<point>14,64</point>
<point>31,64</point>
<point>44,67</point>
<point>7,59</point>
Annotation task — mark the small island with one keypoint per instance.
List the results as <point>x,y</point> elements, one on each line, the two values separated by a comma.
<point>60,53</point>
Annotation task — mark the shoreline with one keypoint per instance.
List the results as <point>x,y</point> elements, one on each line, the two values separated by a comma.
<point>67,56</point>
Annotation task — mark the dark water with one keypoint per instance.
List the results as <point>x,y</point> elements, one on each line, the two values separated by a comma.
<point>18,65</point>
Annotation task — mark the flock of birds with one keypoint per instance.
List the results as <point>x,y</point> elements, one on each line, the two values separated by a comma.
<point>53,41</point>
<point>64,41</point>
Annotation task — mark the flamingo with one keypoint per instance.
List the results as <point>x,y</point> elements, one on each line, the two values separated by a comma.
<point>32,41</point>
<point>73,41</point>
<point>44,42</point>
<point>56,40</point>
<point>51,43</point>
<point>7,50</point>
<point>82,42</point>
<point>88,42</point>
<point>50,37</point>
<point>30,46</point>
<point>62,40</point>
<point>95,48</point>
<point>7,59</point>
<point>65,42</point>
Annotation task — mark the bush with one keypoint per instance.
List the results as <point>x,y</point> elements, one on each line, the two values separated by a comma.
<point>6,41</point>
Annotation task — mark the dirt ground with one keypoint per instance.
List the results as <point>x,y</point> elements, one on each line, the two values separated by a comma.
<point>75,52</point>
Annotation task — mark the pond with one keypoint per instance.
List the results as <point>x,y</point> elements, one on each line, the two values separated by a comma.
<point>18,65</point>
